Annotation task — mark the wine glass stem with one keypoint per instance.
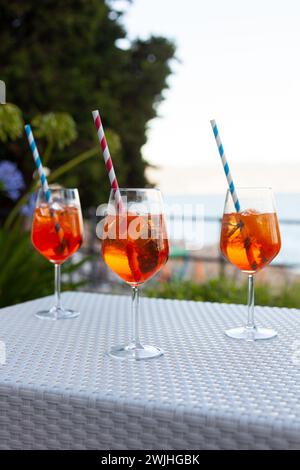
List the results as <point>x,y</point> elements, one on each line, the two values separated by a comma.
<point>250,322</point>
<point>57,286</point>
<point>135,316</point>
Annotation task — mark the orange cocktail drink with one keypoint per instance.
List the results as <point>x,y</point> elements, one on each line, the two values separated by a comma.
<point>57,233</point>
<point>135,246</point>
<point>46,239</point>
<point>250,239</point>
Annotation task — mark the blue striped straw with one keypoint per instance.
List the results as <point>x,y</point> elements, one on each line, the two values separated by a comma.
<point>45,186</point>
<point>225,166</point>
<point>38,162</point>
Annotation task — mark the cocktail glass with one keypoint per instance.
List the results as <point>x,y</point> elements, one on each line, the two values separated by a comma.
<point>250,239</point>
<point>135,247</point>
<point>57,233</point>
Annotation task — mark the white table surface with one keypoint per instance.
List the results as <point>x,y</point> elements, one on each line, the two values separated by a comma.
<point>58,389</point>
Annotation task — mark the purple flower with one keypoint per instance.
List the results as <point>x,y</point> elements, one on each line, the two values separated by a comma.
<point>11,180</point>
<point>28,209</point>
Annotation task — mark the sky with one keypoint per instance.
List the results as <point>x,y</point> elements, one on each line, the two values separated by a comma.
<point>239,64</point>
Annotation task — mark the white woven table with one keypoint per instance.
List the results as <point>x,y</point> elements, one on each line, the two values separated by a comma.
<point>58,389</point>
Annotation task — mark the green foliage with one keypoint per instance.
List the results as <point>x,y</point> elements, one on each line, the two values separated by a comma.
<point>25,274</point>
<point>143,79</point>
<point>57,128</point>
<point>11,122</point>
<point>61,60</point>
<point>63,57</point>
<point>226,291</point>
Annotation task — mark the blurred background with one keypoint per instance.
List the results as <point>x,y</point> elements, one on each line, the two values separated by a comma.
<point>158,71</point>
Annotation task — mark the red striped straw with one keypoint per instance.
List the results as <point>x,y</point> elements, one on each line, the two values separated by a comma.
<point>108,159</point>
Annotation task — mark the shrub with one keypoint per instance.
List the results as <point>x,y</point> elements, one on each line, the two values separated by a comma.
<point>226,290</point>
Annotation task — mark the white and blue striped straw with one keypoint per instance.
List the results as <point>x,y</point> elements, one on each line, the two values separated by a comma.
<point>225,166</point>
<point>38,162</point>
<point>43,178</point>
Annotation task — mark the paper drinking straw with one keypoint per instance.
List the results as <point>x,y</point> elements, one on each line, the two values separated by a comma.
<point>247,242</point>
<point>107,159</point>
<point>43,178</point>
<point>38,162</point>
<point>225,166</point>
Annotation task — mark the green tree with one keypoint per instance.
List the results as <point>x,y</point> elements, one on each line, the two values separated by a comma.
<point>63,56</point>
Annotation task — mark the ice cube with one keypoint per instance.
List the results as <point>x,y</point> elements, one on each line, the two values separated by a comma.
<point>250,212</point>
<point>147,255</point>
<point>56,206</point>
<point>44,210</point>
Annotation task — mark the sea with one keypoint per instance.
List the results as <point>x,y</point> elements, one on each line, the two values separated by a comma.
<point>208,232</point>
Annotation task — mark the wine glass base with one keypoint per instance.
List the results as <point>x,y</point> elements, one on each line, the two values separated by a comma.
<point>57,314</point>
<point>131,352</point>
<point>251,334</point>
